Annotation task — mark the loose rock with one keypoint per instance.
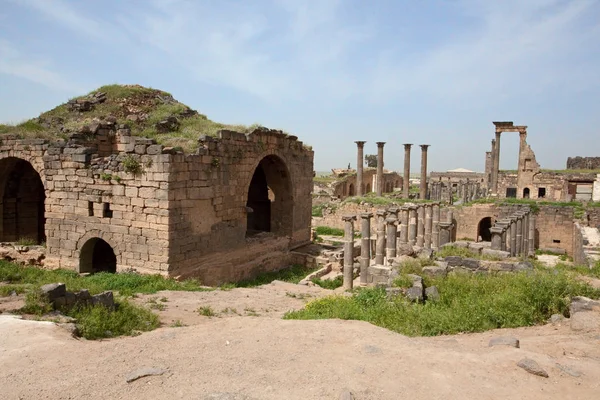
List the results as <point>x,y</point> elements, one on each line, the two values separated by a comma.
<point>504,341</point>
<point>532,367</point>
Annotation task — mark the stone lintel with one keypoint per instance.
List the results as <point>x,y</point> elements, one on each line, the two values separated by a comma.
<point>381,212</point>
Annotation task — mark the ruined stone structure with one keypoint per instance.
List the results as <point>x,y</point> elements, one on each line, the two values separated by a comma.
<point>108,201</point>
<point>346,184</point>
<point>583,163</point>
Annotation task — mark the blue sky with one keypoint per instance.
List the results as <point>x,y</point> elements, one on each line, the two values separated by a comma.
<point>329,71</point>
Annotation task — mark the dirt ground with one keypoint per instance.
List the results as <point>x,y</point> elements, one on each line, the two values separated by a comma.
<point>248,352</point>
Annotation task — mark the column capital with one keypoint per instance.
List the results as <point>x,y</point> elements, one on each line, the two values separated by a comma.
<point>366,215</point>
<point>360,143</point>
<point>381,212</point>
<point>424,146</point>
<point>407,146</point>
<point>349,218</point>
<point>380,144</point>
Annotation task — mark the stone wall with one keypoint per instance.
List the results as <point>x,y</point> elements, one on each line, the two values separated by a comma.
<point>161,211</point>
<point>583,163</point>
<point>579,257</point>
<point>592,217</point>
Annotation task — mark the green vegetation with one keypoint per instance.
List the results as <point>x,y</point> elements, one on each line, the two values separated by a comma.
<point>126,284</point>
<point>468,303</point>
<point>206,311</point>
<point>324,179</point>
<point>294,274</point>
<point>317,211</point>
<point>464,252</point>
<point>572,171</point>
<point>593,271</point>
<point>387,200</point>
<point>96,322</point>
<point>132,165</point>
<point>332,284</point>
<point>325,230</point>
<point>26,241</point>
<point>154,105</point>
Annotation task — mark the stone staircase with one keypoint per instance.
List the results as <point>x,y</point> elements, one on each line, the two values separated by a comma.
<point>591,243</point>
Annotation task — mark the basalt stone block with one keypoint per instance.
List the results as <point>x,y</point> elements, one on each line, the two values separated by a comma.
<point>432,293</point>
<point>454,261</point>
<point>471,263</point>
<point>54,290</point>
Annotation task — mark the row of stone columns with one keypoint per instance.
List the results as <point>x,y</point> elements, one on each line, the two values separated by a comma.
<point>467,191</point>
<point>379,177</point>
<point>417,225</point>
<point>515,234</point>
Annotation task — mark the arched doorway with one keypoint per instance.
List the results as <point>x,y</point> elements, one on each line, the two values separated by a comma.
<point>97,256</point>
<point>270,200</point>
<point>351,190</point>
<point>484,233</point>
<point>22,199</point>
<point>368,188</point>
<point>526,193</point>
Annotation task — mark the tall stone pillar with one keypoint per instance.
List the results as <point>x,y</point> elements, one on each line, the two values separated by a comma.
<point>435,226</point>
<point>428,226</point>
<point>496,232</point>
<point>380,168</point>
<point>524,250</point>
<point>490,177</point>
<point>365,247</point>
<point>420,226</point>
<point>513,237</point>
<point>404,218</point>
<point>423,191</point>
<point>412,225</point>
<point>348,250</point>
<point>496,164</point>
<point>360,161</point>
<point>406,181</point>
<point>390,241</point>
<point>380,245</point>
<point>531,236</point>
<point>519,234</point>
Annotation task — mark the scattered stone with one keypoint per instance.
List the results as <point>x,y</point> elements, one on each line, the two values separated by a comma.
<point>581,303</point>
<point>54,290</point>
<point>495,253</point>
<point>504,341</point>
<point>426,254</point>
<point>169,124</point>
<point>105,299</point>
<point>142,372</point>
<point>435,271</point>
<point>569,370</point>
<point>405,250</point>
<point>346,395</point>
<point>71,328</point>
<point>432,293</point>
<point>556,319</point>
<point>415,294</point>
<point>453,261</point>
<point>585,321</point>
<point>523,266</point>
<point>58,317</point>
<point>470,263</point>
<point>532,367</point>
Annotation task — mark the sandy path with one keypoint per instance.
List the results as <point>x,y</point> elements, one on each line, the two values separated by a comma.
<point>247,357</point>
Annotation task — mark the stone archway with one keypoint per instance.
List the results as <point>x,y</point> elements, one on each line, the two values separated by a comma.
<point>22,197</point>
<point>526,193</point>
<point>484,233</point>
<point>351,190</point>
<point>270,212</point>
<point>96,255</point>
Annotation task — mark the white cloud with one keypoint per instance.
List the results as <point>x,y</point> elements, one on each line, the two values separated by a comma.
<point>13,63</point>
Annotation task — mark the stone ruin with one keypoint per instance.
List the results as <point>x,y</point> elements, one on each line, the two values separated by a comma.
<point>104,200</point>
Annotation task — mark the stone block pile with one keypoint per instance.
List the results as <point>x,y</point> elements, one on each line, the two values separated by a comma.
<point>61,299</point>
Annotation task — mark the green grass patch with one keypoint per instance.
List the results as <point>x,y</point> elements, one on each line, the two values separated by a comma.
<point>126,284</point>
<point>331,284</point>
<point>593,271</point>
<point>464,252</point>
<point>325,230</point>
<point>294,274</point>
<point>468,303</point>
<point>206,311</point>
<point>97,322</point>
<point>317,211</point>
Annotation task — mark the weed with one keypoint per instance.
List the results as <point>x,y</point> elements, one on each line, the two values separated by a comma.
<point>251,312</point>
<point>132,165</point>
<point>325,230</point>
<point>155,305</point>
<point>105,177</point>
<point>26,241</point>
<point>300,296</point>
<point>177,324</point>
<point>206,311</point>
<point>331,284</point>
<point>36,303</point>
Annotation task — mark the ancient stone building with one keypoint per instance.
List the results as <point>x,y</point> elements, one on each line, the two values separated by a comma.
<point>345,182</point>
<point>108,201</point>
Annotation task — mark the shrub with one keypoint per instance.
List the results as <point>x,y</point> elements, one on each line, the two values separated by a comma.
<point>132,165</point>
<point>335,283</point>
<point>325,230</point>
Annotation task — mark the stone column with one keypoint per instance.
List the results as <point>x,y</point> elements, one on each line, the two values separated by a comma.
<point>490,178</point>
<point>524,250</point>
<point>360,161</point>
<point>496,237</point>
<point>380,168</point>
<point>348,250</point>
<point>445,233</point>
<point>390,241</point>
<point>519,234</point>
<point>496,164</point>
<point>531,236</point>
<point>404,225</point>
<point>412,225</point>
<point>435,226</point>
<point>428,225</point>
<point>406,181</point>
<point>513,238</point>
<point>420,226</point>
<point>365,247</point>
<point>380,246</point>
<point>423,191</point>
